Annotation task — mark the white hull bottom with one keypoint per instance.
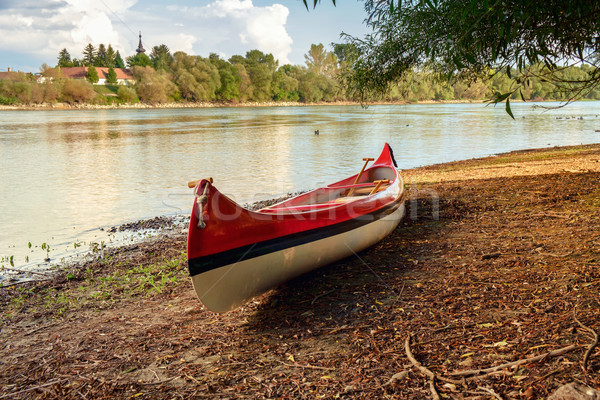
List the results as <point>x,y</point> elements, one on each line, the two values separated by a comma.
<point>225,288</point>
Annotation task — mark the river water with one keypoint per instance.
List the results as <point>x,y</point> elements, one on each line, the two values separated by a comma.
<point>66,176</point>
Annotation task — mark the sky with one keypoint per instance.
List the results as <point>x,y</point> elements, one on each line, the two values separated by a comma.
<point>32,32</point>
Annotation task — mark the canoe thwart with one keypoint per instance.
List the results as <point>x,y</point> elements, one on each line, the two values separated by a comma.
<point>358,185</point>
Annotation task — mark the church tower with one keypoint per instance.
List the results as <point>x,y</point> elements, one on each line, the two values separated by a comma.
<point>140,48</point>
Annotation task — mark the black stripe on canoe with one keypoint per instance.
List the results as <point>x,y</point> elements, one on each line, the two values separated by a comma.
<point>202,264</point>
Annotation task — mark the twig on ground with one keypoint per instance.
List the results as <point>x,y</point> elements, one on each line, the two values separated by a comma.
<point>549,215</point>
<point>396,378</point>
<point>490,391</point>
<point>4,396</point>
<point>306,366</point>
<point>161,382</point>
<point>11,284</point>
<point>480,372</point>
<point>592,345</point>
<point>31,332</point>
<point>25,271</point>
<point>546,376</point>
<point>194,379</point>
<point>321,295</point>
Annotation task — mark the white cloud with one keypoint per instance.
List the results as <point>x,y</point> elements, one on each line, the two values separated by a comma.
<point>57,24</point>
<point>256,27</point>
<point>266,29</point>
<point>225,8</point>
<point>177,42</point>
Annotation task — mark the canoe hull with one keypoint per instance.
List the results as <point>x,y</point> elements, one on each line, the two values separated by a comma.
<point>235,254</point>
<point>225,288</point>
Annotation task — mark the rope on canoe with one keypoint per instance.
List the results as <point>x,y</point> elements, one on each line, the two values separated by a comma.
<point>201,201</point>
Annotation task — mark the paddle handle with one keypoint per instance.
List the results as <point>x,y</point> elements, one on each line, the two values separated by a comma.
<point>366,160</point>
<point>192,184</point>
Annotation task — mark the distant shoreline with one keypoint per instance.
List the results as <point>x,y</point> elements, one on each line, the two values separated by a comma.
<point>86,106</point>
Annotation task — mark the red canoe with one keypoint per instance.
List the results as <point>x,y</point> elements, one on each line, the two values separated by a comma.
<point>235,254</point>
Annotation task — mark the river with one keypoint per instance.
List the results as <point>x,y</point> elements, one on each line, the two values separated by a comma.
<point>66,176</point>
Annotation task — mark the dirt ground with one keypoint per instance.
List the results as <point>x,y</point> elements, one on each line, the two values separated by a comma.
<point>488,289</point>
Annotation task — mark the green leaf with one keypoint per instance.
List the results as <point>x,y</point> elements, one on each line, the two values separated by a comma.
<point>470,58</point>
<point>501,97</point>
<point>521,93</point>
<point>508,110</point>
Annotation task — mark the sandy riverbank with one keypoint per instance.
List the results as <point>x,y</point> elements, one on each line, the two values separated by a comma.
<point>507,272</point>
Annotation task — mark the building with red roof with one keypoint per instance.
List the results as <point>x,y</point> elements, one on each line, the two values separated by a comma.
<point>124,76</point>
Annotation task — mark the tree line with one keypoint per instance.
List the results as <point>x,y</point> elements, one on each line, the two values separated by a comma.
<point>163,77</point>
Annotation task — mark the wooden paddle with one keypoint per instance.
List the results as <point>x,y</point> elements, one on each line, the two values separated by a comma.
<point>378,185</point>
<point>366,160</point>
<point>192,184</point>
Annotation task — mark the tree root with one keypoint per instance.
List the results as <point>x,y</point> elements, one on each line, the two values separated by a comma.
<point>592,345</point>
<point>552,353</point>
<point>425,371</point>
<point>469,375</point>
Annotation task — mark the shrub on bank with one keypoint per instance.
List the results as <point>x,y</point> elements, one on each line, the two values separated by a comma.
<point>127,95</point>
<point>77,91</point>
<point>8,101</point>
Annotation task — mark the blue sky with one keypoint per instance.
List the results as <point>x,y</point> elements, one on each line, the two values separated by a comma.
<point>32,32</point>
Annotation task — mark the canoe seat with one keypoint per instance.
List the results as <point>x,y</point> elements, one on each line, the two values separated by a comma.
<point>345,199</point>
<point>366,190</point>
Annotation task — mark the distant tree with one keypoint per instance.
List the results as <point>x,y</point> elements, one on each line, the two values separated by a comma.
<point>111,76</point>
<point>139,60</point>
<point>309,87</point>
<point>260,67</point>
<point>284,86</point>
<point>64,59</point>
<point>92,75</point>
<point>315,58</point>
<point>77,63</point>
<point>237,59</point>
<point>229,90</point>
<point>119,63</point>
<point>44,67</point>
<point>161,57</point>
<point>153,86</point>
<point>320,61</point>
<point>110,57</point>
<point>100,60</point>
<point>246,89</point>
<point>197,78</point>
<point>89,54</point>
<point>346,53</point>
